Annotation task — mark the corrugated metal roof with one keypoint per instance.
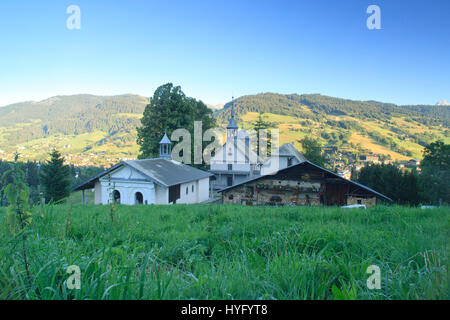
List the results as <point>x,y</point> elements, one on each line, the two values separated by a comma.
<point>163,172</point>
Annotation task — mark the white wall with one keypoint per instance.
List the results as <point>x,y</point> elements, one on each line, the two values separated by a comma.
<point>161,195</point>
<point>200,193</point>
<point>231,153</point>
<point>128,182</point>
<point>98,193</point>
<point>190,196</point>
<point>203,190</point>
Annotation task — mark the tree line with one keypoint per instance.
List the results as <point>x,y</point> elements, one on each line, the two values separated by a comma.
<point>50,181</point>
<point>320,105</point>
<point>410,187</point>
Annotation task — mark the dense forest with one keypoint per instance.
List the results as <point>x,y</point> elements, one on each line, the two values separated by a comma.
<point>319,105</point>
<point>71,115</point>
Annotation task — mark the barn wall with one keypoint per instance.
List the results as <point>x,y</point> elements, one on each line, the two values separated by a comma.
<point>268,191</point>
<point>369,202</point>
<point>303,184</point>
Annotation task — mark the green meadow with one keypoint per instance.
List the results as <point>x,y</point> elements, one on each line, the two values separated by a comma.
<point>227,252</point>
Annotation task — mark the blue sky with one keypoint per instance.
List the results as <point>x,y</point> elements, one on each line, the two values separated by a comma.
<point>215,49</point>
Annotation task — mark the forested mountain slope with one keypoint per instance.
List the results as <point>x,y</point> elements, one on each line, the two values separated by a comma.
<point>92,129</point>
<point>81,124</point>
<point>357,126</point>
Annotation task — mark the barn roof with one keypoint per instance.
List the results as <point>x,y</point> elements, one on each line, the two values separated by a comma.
<point>305,163</point>
<point>163,172</point>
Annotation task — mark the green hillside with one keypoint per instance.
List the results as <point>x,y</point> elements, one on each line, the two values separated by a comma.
<point>87,129</point>
<point>356,126</point>
<point>94,130</point>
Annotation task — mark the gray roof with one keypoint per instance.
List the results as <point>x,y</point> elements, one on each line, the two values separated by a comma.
<point>165,139</point>
<point>306,162</point>
<point>163,172</point>
<point>232,124</point>
<point>168,172</point>
<point>288,150</point>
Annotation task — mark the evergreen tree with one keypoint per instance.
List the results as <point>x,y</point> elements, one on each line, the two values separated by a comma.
<point>169,109</point>
<point>32,179</point>
<point>435,174</point>
<point>55,177</point>
<point>402,187</point>
<point>262,124</point>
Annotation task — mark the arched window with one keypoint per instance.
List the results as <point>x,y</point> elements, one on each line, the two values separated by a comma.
<point>192,188</point>
<point>138,198</point>
<point>187,190</point>
<point>116,196</point>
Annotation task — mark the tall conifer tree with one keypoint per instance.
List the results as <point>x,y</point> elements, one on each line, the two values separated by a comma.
<point>55,177</point>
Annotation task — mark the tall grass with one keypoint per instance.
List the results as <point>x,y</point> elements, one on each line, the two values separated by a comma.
<point>228,252</point>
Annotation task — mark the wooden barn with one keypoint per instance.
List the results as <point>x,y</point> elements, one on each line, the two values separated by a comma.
<point>301,184</point>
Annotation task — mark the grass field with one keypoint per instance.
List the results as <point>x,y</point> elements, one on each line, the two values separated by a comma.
<point>228,252</point>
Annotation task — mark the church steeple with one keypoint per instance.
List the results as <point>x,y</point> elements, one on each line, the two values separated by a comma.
<point>165,147</point>
<point>232,126</point>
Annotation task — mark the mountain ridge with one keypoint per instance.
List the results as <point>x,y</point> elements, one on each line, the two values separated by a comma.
<point>93,129</point>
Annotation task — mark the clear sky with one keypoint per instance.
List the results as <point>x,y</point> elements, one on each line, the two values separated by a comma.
<point>215,49</point>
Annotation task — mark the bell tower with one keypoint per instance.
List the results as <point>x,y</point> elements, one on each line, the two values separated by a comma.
<point>232,127</point>
<point>165,147</point>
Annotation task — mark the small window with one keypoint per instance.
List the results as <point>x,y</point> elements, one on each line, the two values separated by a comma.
<point>230,167</point>
<point>192,188</point>
<point>187,190</point>
<point>359,201</point>
<point>230,197</point>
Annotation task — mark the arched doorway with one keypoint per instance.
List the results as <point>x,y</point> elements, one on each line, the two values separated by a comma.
<point>138,198</point>
<point>116,196</point>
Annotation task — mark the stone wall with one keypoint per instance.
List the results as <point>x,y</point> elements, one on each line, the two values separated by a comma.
<point>369,202</point>
<point>274,192</point>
